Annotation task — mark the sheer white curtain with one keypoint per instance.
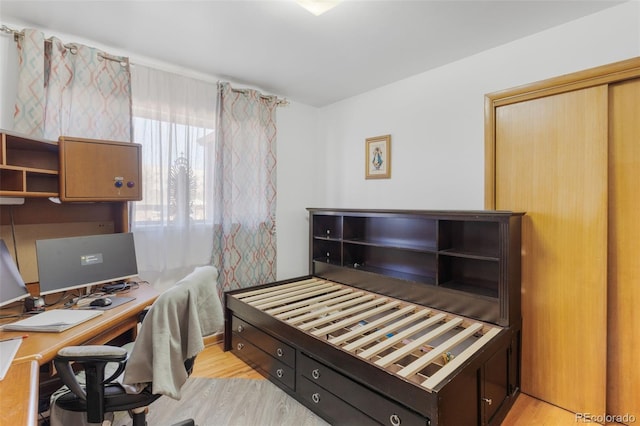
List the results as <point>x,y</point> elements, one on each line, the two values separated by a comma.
<point>173,119</point>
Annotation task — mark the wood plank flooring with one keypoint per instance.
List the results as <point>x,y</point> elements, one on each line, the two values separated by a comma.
<point>213,362</point>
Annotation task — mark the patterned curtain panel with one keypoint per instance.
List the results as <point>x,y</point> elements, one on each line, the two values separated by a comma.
<point>72,90</point>
<point>245,188</point>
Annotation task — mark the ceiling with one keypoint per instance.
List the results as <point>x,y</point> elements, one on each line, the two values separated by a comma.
<point>280,48</point>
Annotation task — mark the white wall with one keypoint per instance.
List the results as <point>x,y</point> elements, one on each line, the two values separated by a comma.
<point>436,118</point>
<point>299,177</point>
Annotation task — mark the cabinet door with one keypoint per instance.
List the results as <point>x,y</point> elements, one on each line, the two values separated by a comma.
<point>495,385</point>
<point>623,395</point>
<point>551,161</point>
<point>92,170</point>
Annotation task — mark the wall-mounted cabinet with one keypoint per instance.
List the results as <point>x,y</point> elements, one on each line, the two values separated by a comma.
<point>96,170</point>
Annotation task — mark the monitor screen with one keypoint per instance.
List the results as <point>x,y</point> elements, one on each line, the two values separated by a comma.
<point>12,286</point>
<point>75,262</point>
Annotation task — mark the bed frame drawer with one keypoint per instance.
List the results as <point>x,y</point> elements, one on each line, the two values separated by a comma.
<point>274,347</point>
<point>266,364</point>
<point>330,407</point>
<point>380,408</point>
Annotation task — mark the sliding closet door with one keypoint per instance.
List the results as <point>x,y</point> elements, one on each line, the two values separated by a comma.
<point>623,394</point>
<point>551,162</point>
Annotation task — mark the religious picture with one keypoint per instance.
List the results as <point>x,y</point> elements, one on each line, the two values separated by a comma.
<point>378,157</point>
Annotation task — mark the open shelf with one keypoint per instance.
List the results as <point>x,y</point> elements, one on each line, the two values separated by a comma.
<point>467,254</point>
<point>469,238</point>
<point>327,226</point>
<point>389,259</point>
<point>472,254</point>
<point>417,233</point>
<point>478,287</point>
<point>28,167</point>
<point>423,278</point>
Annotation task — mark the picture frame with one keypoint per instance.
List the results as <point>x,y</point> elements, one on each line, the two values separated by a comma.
<point>377,159</point>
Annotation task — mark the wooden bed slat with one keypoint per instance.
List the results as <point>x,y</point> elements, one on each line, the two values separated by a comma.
<point>433,381</point>
<point>289,295</point>
<point>416,343</point>
<point>367,354</point>
<point>391,328</point>
<point>354,319</point>
<point>341,314</point>
<point>265,296</point>
<point>437,352</point>
<point>294,298</point>
<point>286,310</point>
<point>372,325</point>
<point>313,310</point>
<point>242,296</point>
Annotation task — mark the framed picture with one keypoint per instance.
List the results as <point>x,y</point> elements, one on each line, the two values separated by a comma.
<point>378,157</point>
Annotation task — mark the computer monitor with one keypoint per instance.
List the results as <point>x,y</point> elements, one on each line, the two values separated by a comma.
<point>76,262</point>
<point>12,286</point>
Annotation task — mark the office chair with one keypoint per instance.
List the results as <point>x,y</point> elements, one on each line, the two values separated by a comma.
<point>162,358</point>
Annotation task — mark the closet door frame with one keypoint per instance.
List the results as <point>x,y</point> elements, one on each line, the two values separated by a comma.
<point>607,76</point>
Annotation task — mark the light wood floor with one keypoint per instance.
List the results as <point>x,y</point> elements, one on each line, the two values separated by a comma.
<point>213,362</point>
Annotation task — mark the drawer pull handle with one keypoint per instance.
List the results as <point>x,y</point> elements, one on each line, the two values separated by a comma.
<point>280,372</point>
<point>240,329</point>
<point>487,400</point>
<point>315,373</point>
<point>394,419</point>
<point>315,397</point>
<point>279,352</point>
<point>240,346</point>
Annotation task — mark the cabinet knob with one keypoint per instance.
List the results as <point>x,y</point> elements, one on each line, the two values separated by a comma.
<point>131,184</point>
<point>315,373</point>
<point>315,397</point>
<point>240,329</point>
<point>487,400</point>
<point>279,352</point>
<point>394,420</point>
<point>240,346</point>
<point>118,181</point>
<point>280,372</point>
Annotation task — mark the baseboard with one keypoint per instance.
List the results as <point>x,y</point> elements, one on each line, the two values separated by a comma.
<point>213,339</point>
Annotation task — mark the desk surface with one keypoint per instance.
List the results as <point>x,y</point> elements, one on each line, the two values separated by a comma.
<point>43,347</point>
<point>19,396</point>
<point>19,389</point>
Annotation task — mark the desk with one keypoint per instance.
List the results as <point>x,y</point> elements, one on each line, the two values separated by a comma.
<point>40,349</point>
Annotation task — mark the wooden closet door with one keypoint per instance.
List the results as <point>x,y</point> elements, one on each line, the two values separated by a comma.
<point>551,162</point>
<point>623,393</point>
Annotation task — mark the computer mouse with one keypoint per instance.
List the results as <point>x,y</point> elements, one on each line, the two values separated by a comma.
<point>103,301</point>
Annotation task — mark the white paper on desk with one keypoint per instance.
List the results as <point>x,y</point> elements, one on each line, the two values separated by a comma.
<point>8,349</point>
<point>54,320</point>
